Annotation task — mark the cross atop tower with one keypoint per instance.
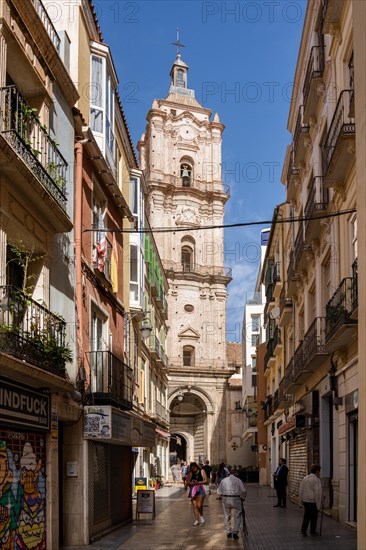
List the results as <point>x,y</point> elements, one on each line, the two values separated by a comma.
<point>178,43</point>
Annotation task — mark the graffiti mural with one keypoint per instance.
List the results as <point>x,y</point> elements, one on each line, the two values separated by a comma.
<point>22,491</point>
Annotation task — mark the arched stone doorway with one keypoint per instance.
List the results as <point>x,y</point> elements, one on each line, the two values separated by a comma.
<point>189,410</point>
<point>177,448</point>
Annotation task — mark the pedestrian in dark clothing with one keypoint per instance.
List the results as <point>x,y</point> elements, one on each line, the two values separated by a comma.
<point>208,470</point>
<point>280,483</point>
<point>310,496</point>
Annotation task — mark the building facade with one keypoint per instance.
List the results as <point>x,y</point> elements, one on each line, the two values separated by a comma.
<point>313,374</point>
<point>180,153</point>
<point>38,370</point>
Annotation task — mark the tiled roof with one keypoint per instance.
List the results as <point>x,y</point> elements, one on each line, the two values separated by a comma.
<point>234,353</point>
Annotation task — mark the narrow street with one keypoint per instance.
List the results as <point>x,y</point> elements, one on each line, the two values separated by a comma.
<point>269,528</point>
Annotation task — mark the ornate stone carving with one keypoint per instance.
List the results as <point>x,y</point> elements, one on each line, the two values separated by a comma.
<point>188,216</point>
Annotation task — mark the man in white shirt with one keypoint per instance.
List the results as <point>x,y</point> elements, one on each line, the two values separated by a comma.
<point>233,492</point>
<point>310,495</point>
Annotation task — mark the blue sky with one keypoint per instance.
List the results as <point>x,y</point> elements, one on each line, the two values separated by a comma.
<point>242,58</point>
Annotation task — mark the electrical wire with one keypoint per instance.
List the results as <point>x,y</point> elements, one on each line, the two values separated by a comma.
<point>223,226</point>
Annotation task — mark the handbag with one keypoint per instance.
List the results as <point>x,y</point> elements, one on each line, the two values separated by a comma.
<point>207,490</point>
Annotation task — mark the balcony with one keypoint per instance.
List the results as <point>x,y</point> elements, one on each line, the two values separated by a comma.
<point>102,257</point>
<point>269,357</point>
<point>30,332</point>
<point>332,10</point>
<point>293,178</point>
<point>47,23</point>
<point>33,159</point>
<point>301,131</point>
<point>314,351</point>
<point>294,370</point>
<point>110,380</point>
<point>285,304</point>
<point>316,205</point>
<point>162,412</point>
<point>154,347</point>
<point>277,285</point>
<point>292,275</point>
<point>313,77</point>
<point>153,281</point>
<point>301,250</point>
<point>277,341</point>
<point>268,280</point>
<point>284,399</point>
<point>340,325</point>
<point>197,272</point>
<point>338,149</point>
<point>354,290</point>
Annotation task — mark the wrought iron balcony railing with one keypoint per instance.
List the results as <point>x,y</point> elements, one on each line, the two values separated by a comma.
<point>298,363</point>
<point>339,308</point>
<point>293,171</point>
<point>341,125</point>
<point>277,273</point>
<point>317,200</point>
<point>314,340</point>
<point>314,70</point>
<point>205,270</point>
<point>102,259</point>
<point>47,23</point>
<point>354,290</point>
<point>110,380</point>
<point>31,332</point>
<point>284,301</point>
<point>277,340</point>
<point>22,129</point>
<point>300,128</point>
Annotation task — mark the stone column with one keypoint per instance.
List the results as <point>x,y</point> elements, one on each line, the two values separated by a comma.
<point>3,50</point>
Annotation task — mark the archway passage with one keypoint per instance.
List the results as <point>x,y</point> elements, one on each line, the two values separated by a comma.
<point>188,416</point>
<point>177,449</point>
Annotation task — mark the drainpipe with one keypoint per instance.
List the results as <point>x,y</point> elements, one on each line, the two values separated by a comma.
<point>78,187</point>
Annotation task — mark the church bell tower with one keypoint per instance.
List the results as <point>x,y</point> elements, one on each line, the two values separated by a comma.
<point>180,153</point>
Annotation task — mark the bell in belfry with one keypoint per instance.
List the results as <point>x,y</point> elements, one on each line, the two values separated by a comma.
<point>186,176</point>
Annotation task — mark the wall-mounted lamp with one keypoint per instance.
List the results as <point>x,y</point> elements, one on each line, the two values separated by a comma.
<point>145,328</point>
<point>180,396</point>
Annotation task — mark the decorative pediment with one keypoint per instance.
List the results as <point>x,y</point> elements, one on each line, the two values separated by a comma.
<point>189,333</point>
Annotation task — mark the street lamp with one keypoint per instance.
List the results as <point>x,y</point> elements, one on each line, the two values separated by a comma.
<point>145,327</point>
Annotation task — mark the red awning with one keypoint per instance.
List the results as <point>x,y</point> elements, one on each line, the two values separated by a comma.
<point>163,434</point>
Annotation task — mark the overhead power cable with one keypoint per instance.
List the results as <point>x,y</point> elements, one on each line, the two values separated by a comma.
<point>223,226</point>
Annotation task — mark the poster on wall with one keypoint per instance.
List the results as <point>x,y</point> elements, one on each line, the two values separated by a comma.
<point>22,490</point>
<point>97,422</point>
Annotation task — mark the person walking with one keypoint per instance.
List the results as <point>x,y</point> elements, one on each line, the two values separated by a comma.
<point>184,468</point>
<point>280,483</point>
<point>310,496</point>
<point>208,470</point>
<point>176,470</point>
<point>221,473</point>
<point>233,493</point>
<point>196,478</point>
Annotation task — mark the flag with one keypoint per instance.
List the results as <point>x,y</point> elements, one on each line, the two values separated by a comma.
<point>114,265</point>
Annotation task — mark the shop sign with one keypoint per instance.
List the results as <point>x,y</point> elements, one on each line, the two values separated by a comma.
<point>140,484</point>
<point>106,423</point>
<point>351,401</point>
<point>143,433</point>
<point>20,406</point>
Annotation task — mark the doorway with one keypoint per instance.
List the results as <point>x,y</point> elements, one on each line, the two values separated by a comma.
<point>352,466</point>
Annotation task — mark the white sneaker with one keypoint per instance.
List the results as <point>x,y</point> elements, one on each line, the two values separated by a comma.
<point>202,519</point>
<point>196,522</point>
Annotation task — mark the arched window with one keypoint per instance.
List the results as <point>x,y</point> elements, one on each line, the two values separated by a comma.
<point>186,174</point>
<point>188,356</point>
<point>187,258</point>
<point>180,78</point>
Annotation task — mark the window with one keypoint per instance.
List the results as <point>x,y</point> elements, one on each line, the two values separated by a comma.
<point>134,273</point>
<point>255,323</point>
<point>186,174</point>
<point>254,363</point>
<point>14,271</point>
<point>188,356</point>
<point>254,340</point>
<point>102,92</point>
<point>187,258</point>
<point>98,369</point>
<point>180,78</point>
<point>97,95</point>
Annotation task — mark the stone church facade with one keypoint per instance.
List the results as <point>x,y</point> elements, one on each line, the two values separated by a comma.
<point>180,153</point>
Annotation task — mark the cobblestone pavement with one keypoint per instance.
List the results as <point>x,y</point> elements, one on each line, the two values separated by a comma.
<point>268,528</point>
